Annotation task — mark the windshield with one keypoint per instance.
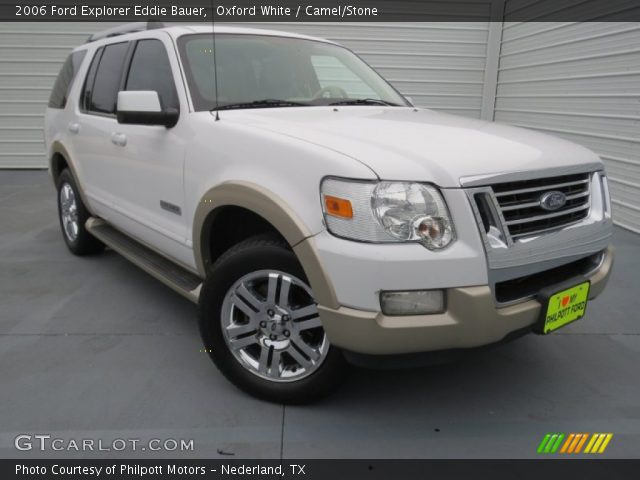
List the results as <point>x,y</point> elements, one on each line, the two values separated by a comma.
<point>267,71</point>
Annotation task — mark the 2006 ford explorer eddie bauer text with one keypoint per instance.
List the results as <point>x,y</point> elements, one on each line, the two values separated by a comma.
<point>315,215</point>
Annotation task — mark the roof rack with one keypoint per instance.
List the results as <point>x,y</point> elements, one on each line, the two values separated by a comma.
<point>127,28</point>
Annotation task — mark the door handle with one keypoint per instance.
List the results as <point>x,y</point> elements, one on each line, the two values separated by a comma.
<point>119,139</point>
<point>74,127</point>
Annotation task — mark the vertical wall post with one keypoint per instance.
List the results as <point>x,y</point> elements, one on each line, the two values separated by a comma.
<point>492,63</point>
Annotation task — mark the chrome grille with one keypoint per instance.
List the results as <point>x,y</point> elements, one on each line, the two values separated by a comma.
<point>520,205</point>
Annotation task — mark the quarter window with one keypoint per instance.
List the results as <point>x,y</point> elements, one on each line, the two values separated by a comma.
<point>62,87</point>
<point>150,70</point>
<point>88,83</point>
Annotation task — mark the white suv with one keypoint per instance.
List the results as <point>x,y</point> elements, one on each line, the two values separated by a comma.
<point>311,211</point>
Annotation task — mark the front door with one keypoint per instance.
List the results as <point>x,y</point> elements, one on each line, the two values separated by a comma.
<point>151,192</point>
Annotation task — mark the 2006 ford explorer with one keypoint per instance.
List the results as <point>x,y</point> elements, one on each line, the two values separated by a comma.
<point>311,211</point>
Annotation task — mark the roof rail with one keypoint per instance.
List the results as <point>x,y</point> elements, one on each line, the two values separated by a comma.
<point>127,28</point>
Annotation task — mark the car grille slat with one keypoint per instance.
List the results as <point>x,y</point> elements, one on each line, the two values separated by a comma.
<point>539,188</point>
<point>519,204</point>
<point>542,217</point>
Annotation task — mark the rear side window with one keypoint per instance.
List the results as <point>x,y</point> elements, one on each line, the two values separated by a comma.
<point>150,70</point>
<point>101,97</point>
<point>62,87</point>
<point>88,83</point>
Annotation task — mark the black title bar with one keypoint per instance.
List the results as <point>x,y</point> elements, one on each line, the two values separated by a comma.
<point>320,10</point>
<point>320,469</point>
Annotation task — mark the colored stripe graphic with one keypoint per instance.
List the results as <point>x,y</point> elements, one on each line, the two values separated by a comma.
<point>543,443</point>
<point>567,443</point>
<point>591,442</point>
<point>605,444</point>
<point>550,443</point>
<point>573,443</point>
<point>555,447</point>
<point>581,442</point>
<point>598,442</point>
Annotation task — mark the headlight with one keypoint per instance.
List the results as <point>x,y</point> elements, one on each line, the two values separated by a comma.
<point>387,212</point>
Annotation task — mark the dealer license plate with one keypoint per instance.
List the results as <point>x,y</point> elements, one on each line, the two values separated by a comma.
<point>565,307</point>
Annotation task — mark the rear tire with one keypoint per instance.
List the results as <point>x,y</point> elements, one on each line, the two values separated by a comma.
<point>260,325</point>
<point>73,214</point>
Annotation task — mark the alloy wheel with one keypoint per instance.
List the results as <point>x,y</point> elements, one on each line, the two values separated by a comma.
<point>271,325</point>
<point>69,212</point>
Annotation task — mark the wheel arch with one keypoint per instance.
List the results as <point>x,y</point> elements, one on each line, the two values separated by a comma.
<point>57,163</point>
<point>265,206</point>
<point>59,159</point>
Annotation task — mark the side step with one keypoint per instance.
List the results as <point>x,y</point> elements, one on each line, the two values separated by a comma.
<point>174,276</point>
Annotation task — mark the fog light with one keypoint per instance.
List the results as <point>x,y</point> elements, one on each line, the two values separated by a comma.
<point>416,302</point>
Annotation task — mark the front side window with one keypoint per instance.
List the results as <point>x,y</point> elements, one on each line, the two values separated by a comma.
<point>262,68</point>
<point>62,87</point>
<point>150,70</point>
<point>102,96</point>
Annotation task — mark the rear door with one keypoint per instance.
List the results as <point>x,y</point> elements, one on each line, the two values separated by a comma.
<point>93,126</point>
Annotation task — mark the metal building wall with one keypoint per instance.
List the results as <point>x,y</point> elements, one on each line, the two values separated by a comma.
<point>580,81</point>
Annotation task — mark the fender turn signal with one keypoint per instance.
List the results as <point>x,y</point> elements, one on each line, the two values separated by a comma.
<point>338,207</point>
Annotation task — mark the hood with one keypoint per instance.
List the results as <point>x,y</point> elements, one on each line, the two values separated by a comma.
<point>417,144</point>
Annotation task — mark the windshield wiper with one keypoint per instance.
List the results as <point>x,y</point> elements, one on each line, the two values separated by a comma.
<point>265,103</point>
<point>364,101</point>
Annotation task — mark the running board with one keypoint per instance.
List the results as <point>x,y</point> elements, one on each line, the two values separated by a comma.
<point>174,276</point>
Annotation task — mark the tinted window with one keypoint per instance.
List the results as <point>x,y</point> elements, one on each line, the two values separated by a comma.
<point>150,70</point>
<point>107,80</point>
<point>60,92</point>
<point>88,83</point>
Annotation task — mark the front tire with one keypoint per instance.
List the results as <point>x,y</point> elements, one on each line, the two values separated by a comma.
<point>73,214</point>
<point>260,324</point>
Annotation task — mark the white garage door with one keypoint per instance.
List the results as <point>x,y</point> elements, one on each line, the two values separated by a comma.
<point>581,82</point>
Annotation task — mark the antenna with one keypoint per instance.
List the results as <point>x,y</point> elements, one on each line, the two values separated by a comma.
<point>215,54</point>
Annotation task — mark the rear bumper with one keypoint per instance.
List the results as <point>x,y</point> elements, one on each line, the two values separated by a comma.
<point>471,320</point>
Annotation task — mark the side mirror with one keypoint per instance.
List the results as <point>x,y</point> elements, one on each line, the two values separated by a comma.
<point>142,107</point>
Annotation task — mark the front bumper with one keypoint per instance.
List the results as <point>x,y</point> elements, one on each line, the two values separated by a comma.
<point>472,319</point>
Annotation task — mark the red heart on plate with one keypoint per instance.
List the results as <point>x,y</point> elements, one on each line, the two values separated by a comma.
<point>565,300</point>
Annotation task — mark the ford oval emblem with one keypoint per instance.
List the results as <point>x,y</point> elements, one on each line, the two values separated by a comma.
<point>554,200</point>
